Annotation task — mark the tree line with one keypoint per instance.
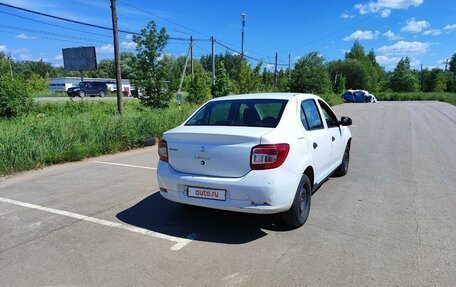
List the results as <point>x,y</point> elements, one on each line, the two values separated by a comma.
<point>158,75</point>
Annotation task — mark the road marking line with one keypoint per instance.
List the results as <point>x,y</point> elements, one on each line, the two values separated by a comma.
<point>180,242</point>
<point>123,164</point>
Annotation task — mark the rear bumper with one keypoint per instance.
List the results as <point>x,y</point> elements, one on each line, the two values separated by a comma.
<point>259,191</point>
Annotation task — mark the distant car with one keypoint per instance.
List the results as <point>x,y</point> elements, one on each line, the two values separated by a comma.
<point>358,96</point>
<point>88,89</point>
<point>256,153</point>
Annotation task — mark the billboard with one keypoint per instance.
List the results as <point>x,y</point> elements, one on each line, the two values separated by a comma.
<point>79,59</point>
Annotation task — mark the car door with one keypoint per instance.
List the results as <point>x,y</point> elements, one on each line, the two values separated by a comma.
<point>318,137</point>
<point>335,132</point>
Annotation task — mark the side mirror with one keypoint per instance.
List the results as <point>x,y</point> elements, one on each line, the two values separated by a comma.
<point>345,121</point>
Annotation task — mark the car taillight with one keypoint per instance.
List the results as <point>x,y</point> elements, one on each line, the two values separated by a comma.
<point>163,150</point>
<point>268,156</point>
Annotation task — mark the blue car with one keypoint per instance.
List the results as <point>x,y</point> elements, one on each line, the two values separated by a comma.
<point>358,96</point>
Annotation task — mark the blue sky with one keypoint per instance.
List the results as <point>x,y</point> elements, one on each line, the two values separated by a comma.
<point>424,30</point>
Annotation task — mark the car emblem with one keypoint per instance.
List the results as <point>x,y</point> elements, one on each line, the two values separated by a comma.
<point>202,150</point>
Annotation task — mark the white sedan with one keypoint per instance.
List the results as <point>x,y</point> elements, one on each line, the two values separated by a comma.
<point>255,153</point>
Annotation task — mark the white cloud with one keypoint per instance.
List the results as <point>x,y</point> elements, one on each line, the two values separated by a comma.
<point>25,36</point>
<point>3,48</point>
<point>391,36</point>
<point>108,48</point>
<point>129,36</point>
<point>384,7</point>
<point>450,28</point>
<point>404,48</point>
<point>59,57</point>
<point>433,32</point>
<point>413,26</point>
<point>128,45</point>
<point>387,61</point>
<point>346,15</point>
<point>362,35</point>
<point>385,13</point>
<point>391,62</point>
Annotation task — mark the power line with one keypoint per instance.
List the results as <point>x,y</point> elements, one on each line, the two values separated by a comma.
<point>51,38</point>
<point>164,19</point>
<point>85,23</point>
<point>49,33</point>
<point>55,25</point>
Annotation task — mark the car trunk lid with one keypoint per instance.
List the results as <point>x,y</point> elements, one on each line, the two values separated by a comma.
<point>222,151</point>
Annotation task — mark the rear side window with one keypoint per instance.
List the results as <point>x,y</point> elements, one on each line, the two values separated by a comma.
<point>249,112</point>
<point>310,117</point>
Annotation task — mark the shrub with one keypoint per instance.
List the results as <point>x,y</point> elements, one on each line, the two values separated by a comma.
<point>15,97</point>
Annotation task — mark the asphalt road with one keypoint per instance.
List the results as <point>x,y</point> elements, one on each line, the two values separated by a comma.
<point>77,99</point>
<point>390,222</point>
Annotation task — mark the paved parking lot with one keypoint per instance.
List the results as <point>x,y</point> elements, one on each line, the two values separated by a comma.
<point>390,222</point>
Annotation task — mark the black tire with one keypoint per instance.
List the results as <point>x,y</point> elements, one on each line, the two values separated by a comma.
<point>300,209</point>
<point>102,94</point>
<point>81,94</point>
<point>343,168</point>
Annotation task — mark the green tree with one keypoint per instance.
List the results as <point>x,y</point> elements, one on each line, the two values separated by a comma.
<point>150,73</point>
<point>402,79</point>
<point>451,83</point>
<point>5,64</point>
<point>249,79</point>
<point>200,88</point>
<point>223,85</point>
<point>310,75</point>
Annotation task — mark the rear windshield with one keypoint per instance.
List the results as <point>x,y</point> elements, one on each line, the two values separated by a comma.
<point>248,113</point>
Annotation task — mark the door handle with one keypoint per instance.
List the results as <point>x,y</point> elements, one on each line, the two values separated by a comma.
<point>333,139</point>
<point>315,145</point>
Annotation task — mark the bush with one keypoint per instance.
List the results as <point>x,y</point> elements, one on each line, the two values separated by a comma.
<point>15,97</point>
<point>61,132</point>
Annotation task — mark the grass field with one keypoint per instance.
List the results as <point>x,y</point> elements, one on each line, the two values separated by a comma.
<point>442,97</point>
<point>61,132</point>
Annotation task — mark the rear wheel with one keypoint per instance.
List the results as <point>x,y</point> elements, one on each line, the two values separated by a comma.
<point>299,211</point>
<point>102,94</point>
<point>82,94</point>
<point>343,168</point>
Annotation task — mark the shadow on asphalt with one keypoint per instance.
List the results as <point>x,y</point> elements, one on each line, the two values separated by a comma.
<point>160,215</point>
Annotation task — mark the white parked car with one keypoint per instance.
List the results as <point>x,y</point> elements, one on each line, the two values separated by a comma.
<point>255,153</point>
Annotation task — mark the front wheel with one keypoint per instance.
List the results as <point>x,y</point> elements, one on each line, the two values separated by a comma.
<point>300,209</point>
<point>81,94</point>
<point>102,94</point>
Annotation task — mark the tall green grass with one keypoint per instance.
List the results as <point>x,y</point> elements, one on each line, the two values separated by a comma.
<point>70,131</point>
<point>442,97</point>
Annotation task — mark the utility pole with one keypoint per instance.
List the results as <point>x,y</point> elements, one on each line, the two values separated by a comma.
<point>446,65</point>
<point>243,19</point>
<point>213,62</point>
<point>11,68</point>
<point>275,73</point>
<point>289,67</point>
<point>179,94</point>
<point>116,57</point>
<point>191,54</point>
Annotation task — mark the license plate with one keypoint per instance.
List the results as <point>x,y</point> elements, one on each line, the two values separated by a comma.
<point>201,192</point>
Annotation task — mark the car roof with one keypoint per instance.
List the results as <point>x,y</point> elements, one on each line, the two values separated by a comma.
<point>278,96</point>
